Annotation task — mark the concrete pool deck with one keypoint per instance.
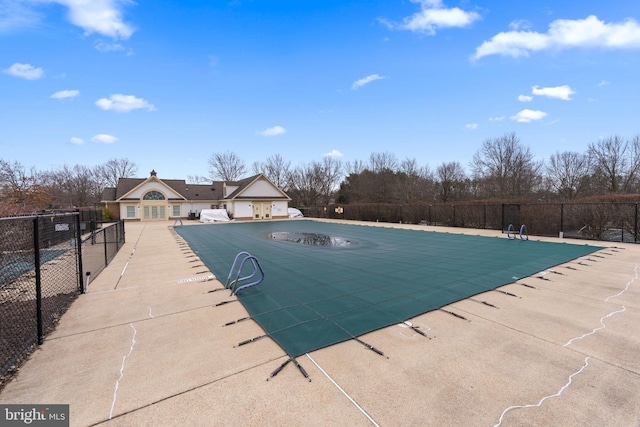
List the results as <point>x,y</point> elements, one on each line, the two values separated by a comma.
<point>147,346</point>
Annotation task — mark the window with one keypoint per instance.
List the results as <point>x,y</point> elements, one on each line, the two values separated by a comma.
<point>131,211</point>
<point>153,195</point>
<point>176,210</point>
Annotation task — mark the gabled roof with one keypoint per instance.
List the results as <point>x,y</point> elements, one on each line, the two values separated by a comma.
<point>245,183</point>
<point>242,184</point>
<point>126,185</point>
<point>203,192</point>
<point>187,191</point>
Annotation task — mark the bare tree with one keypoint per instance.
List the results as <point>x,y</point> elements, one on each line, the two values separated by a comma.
<point>306,185</point>
<point>616,163</point>
<point>57,183</point>
<point>84,186</point>
<point>197,179</point>
<point>568,173</point>
<point>226,166</point>
<point>414,180</point>
<point>330,177</point>
<point>73,187</point>
<point>257,167</point>
<point>506,168</point>
<point>315,182</point>
<point>277,169</point>
<point>379,162</point>
<point>20,190</point>
<point>354,168</point>
<point>114,169</point>
<point>451,180</point>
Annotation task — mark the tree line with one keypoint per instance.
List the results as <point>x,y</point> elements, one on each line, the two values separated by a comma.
<point>25,191</point>
<point>503,168</point>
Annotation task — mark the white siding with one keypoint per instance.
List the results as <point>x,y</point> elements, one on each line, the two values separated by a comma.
<point>229,189</point>
<point>261,188</point>
<point>242,209</point>
<point>280,209</point>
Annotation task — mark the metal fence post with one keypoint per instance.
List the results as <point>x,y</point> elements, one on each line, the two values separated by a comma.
<point>635,225</point>
<point>622,228</point>
<point>79,253</point>
<point>117,238</point>
<point>106,252</point>
<point>484,216</point>
<point>562,218</point>
<point>502,220</point>
<point>36,261</point>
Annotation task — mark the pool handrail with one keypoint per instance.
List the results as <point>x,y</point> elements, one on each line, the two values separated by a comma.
<point>233,284</point>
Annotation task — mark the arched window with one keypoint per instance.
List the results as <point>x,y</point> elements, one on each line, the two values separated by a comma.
<point>153,195</point>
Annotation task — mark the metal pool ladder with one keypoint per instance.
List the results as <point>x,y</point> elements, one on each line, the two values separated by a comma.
<point>523,232</point>
<point>236,284</point>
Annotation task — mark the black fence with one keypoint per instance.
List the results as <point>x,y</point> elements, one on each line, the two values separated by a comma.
<point>91,219</point>
<point>617,222</point>
<point>42,265</point>
<point>100,246</point>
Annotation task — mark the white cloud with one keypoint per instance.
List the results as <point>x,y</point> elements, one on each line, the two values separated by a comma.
<point>124,103</point>
<point>526,116</point>
<point>94,16</point>
<point>434,15</point>
<point>62,94</point>
<point>273,131</point>
<point>496,119</point>
<point>604,83</point>
<point>518,25</point>
<point>333,153</point>
<point>471,126</point>
<point>564,34</point>
<point>561,92</point>
<point>104,138</point>
<point>25,71</point>
<point>16,14</point>
<point>99,16</point>
<point>104,47</point>
<point>366,80</point>
<point>525,98</point>
<point>77,141</point>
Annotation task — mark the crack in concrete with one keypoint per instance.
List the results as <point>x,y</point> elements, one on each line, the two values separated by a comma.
<point>124,359</point>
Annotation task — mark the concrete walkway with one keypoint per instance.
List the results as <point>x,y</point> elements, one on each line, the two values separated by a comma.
<point>147,346</point>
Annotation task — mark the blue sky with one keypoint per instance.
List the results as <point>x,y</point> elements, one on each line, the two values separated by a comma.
<point>168,83</point>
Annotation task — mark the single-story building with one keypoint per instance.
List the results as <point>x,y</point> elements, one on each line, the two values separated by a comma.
<point>151,199</point>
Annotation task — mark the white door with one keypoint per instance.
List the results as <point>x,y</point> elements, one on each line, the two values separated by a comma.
<point>261,210</point>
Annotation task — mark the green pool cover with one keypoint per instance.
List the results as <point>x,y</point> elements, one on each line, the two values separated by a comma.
<point>326,283</point>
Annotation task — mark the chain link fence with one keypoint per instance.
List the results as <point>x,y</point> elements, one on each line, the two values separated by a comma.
<point>613,221</point>
<point>41,273</point>
<point>99,248</point>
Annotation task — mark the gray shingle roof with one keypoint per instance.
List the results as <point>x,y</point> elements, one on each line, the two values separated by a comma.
<point>213,191</point>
